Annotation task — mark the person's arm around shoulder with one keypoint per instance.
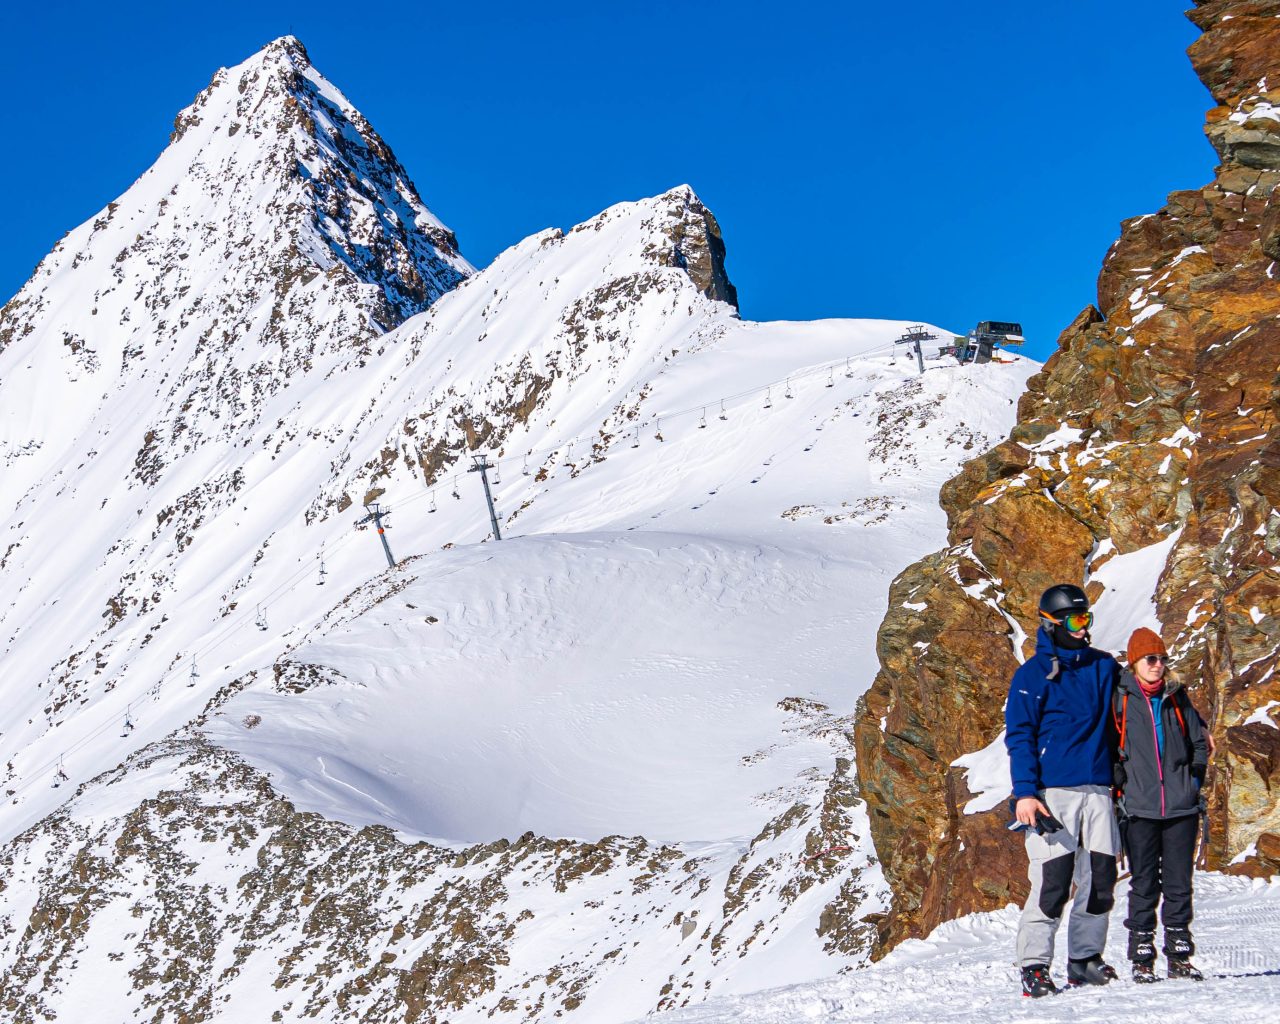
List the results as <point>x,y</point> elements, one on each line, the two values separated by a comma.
<point>1022,713</point>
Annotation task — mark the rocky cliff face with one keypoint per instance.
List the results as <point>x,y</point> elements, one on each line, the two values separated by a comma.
<point>1145,463</point>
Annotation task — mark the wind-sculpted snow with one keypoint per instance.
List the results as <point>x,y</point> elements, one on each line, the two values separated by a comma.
<point>552,703</point>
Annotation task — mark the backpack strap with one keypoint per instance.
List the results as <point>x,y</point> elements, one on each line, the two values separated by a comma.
<point>1121,718</point>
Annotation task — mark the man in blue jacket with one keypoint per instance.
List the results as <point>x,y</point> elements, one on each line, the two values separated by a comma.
<point>1056,731</point>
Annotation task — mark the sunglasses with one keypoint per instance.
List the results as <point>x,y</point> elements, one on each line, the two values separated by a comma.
<point>1074,622</point>
<point>1156,659</point>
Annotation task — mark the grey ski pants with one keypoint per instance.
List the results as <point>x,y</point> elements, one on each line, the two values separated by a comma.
<point>1083,852</point>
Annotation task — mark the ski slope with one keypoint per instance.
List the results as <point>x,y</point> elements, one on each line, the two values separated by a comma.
<point>619,669</point>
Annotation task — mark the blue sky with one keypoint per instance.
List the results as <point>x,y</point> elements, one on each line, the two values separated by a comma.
<point>937,161</point>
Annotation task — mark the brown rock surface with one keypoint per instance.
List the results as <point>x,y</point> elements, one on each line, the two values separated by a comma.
<point>1155,417</point>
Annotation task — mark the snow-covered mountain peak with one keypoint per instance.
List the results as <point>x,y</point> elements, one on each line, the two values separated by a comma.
<point>271,178</point>
<point>345,189</point>
<point>675,230</point>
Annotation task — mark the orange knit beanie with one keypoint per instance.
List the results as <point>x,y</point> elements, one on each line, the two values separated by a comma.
<point>1143,642</point>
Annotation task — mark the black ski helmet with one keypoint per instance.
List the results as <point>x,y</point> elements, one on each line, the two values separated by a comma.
<point>1057,601</point>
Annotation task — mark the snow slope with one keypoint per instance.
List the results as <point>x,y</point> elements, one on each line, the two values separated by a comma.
<point>621,672</point>
<point>964,971</point>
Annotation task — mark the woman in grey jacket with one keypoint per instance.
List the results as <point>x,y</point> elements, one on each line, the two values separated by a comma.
<point>1163,749</point>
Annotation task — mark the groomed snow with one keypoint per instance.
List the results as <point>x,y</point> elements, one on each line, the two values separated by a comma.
<point>965,971</point>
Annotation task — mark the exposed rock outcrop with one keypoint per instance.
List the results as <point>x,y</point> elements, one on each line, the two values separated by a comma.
<point>1154,428</point>
<point>214,895</point>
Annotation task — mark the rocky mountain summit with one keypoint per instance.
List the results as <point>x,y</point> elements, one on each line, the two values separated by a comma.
<point>1143,465</point>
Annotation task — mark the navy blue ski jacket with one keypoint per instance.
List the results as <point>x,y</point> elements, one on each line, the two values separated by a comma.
<point>1056,730</point>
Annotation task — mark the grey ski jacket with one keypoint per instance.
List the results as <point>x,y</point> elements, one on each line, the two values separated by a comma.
<point>1153,786</point>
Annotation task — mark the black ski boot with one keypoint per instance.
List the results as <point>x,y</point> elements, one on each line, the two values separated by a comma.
<point>1142,951</point>
<point>1090,970</point>
<point>1142,946</point>
<point>1178,949</point>
<point>1036,981</point>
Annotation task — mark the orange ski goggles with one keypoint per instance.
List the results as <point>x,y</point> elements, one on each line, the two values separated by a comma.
<point>1072,622</point>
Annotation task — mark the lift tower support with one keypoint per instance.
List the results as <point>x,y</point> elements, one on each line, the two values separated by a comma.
<point>914,338</point>
<point>482,467</point>
<point>376,518</point>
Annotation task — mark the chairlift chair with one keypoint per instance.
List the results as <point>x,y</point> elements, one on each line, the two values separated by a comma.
<point>789,394</point>
<point>702,422</point>
<point>723,416</point>
<point>768,398</point>
<point>433,502</point>
<point>261,621</point>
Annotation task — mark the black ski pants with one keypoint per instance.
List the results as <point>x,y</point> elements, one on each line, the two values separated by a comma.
<point>1161,856</point>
